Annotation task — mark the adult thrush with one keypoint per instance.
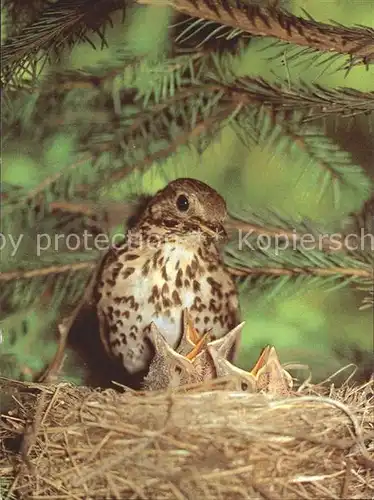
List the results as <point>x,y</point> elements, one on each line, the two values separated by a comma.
<point>169,261</point>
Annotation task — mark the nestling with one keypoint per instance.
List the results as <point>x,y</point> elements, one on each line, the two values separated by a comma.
<point>197,359</point>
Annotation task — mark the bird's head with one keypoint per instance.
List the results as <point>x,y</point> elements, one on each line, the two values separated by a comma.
<point>188,205</point>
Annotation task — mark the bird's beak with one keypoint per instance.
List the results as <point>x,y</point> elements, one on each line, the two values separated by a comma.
<point>217,231</point>
<point>198,346</point>
<point>262,360</point>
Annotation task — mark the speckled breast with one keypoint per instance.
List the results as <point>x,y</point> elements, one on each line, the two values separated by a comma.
<point>140,286</point>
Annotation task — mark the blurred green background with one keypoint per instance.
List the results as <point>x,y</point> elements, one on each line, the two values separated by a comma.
<point>305,325</point>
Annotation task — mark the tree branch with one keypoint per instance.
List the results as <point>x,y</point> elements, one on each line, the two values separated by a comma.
<point>293,271</point>
<point>200,128</point>
<point>45,271</point>
<point>273,22</point>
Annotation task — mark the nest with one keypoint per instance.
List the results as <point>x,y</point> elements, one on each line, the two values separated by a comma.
<point>83,443</point>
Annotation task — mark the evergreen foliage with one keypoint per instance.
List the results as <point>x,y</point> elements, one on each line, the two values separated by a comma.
<point>169,83</point>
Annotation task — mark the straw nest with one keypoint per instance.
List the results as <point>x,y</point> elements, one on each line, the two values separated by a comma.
<point>204,443</point>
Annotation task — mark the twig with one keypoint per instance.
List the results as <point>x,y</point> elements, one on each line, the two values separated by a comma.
<point>40,188</point>
<point>293,271</point>
<point>234,223</point>
<point>181,139</point>
<point>74,208</point>
<point>55,366</point>
<point>265,21</point>
<point>274,232</point>
<point>29,437</point>
<point>45,271</point>
<point>114,213</point>
<point>369,462</point>
<point>347,477</point>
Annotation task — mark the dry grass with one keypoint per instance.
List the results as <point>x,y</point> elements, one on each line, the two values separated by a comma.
<point>197,444</point>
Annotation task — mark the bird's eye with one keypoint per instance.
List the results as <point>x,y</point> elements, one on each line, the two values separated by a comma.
<point>182,203</point>
<point>244,386</point>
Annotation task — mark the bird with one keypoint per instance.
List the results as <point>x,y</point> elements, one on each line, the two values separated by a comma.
<point>266,376</point>
<point>190,362</point>
<point>190,342</point>
<point>170,260</point>
<point>210,359</point>
<point>198,359</point>
<point>168,368</point>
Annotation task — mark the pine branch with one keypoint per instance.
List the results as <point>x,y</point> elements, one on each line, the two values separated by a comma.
<point>26,207</point>
<point>309,145</point>
<point>203,127</point>
<point>46,271</point>
<point>157,131</point>
<point>314,101</point>
<point>268,250</point>
<point>278,257</point>
<point>19,13</point>
<point>309,57</point>
<point>187,81</point>
<point>191,34</point>
<point>270,21</point>
<point>165,80</point>
<point>334,237</point>
<point>63,22</point>
<point>157,124</point>
<point>308,271</point>
<point>271,225</point>
<point>130,141</point>
<point>57,284</point>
